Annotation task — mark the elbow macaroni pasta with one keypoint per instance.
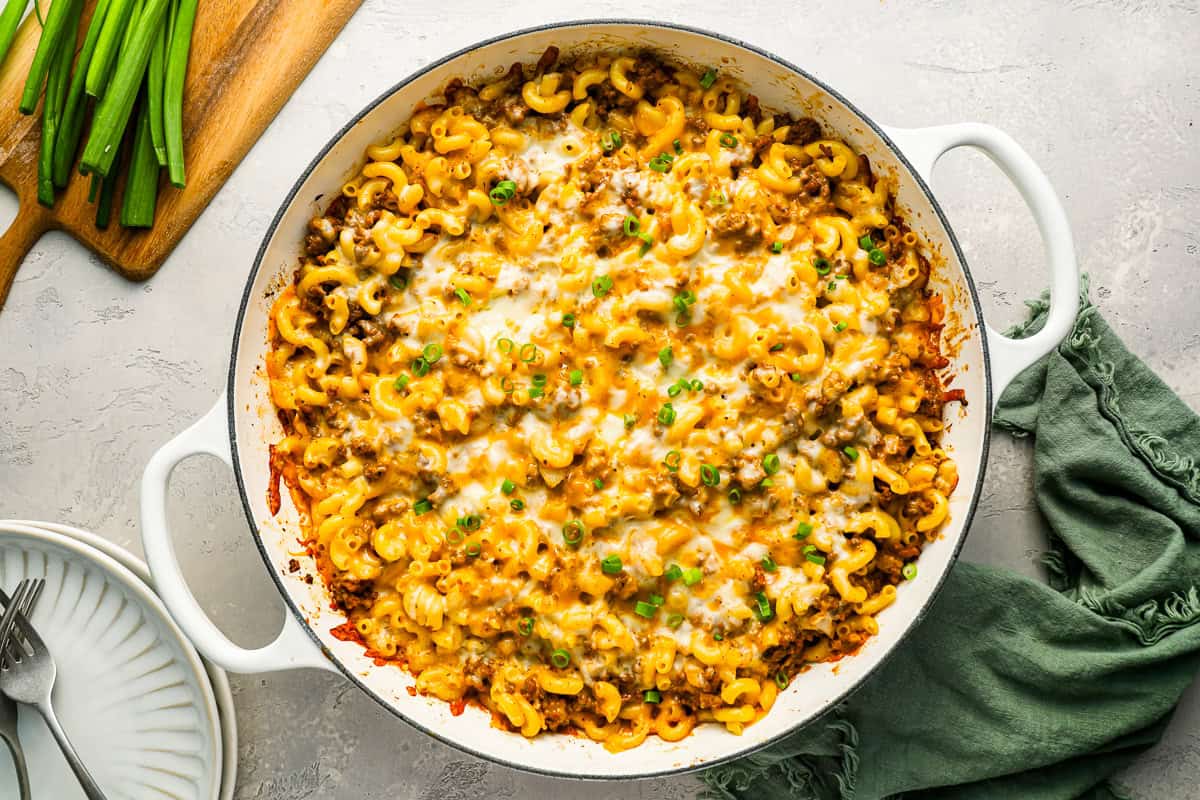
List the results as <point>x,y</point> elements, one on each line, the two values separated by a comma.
<point>611,400</point>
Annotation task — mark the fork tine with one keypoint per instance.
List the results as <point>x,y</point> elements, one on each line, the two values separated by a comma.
<point>34,595</point>
<point>8,621</point>
<point>10,611</point>
<point>29,634</point>
<point>11,648</point>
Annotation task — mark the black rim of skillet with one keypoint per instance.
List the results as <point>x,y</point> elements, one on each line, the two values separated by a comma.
<point>350,675</point>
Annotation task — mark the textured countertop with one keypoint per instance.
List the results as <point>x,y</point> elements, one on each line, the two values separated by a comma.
<point>96,372</point>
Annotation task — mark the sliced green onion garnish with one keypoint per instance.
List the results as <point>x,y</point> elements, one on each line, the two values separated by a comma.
<point>575,377</point>
<point>539,379</point>
<point>573,532</point>
<point>610,565</point>
<point>796,377</point>
<point>508,487</point>
<point>728,140</point>
<point>766,483</point>
<point>710,475</point>
<point>474,549</point>
<point>656,600</point>
<point>462,296</point>
<point>525,626</point>
<point>781,679</point>
<point>666,414</point>
<point>710,77</point>
<point>673,572</point>
<point>735,496</point>
<point>865,242</point>
<point>718,637</point>
<point>770,463</point>
<point>777,247</point>
<point>597,484</point>
<point>630,420</point>
<point>529,352</point>
<point>839,327</point>
<point>505,344</point>
<point>610,141</point>
<point>877,257</point>
<point>631,226</point>
<point>692,576</point>
<point>560,658</point>
<point>516,504</point>
<point>909,571</point>
<point>768,563</point>
<point>498,196</point>
<point>420,367</point>
<point>652,696</point>
<point>471,522</point>
<point>802,530</point>
<point>602,285</point>
<point>762,607</point>
<point>647,243</point>
<point>674,620</point>
<point>662,162</point>
<point>696,385</point>
<point>507,385</point>
<point>432,352</point>
<point>678,147</point>
<point>671,462</point>
<point>851,453</point>
<point>666,356</point>
<point>422,506</point>
<point>398,282</point>
<point>568,320</point>
<point>644,609</point>
<point>775,348</point>
<point>674,389</point>
<point>821,265</point>
<point>401,383</point>
<point>810,552</point>
<point>536,391</point>
<point>454,536</point>
<point>684,299</point>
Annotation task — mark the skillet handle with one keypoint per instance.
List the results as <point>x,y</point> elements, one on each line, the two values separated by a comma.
<point>292,648</point>
<point>923,147</point>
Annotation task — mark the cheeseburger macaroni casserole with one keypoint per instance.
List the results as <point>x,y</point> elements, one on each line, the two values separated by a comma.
<point>611,399</point>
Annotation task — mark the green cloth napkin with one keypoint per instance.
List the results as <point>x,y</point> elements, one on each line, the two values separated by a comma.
<point>1011,688</point>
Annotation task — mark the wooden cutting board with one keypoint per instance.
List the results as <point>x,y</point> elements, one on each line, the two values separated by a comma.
<point>248,56</point>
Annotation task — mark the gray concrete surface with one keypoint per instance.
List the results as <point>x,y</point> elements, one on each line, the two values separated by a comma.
<point>96,372</point>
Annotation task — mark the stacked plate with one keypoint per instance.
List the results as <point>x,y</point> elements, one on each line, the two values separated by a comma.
<point>148,716</point>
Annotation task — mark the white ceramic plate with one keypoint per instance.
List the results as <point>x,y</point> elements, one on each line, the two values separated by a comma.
<point>222,692</point>
<point>131,692</point>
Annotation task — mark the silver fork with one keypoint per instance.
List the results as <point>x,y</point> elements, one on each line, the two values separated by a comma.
<point>28,677</point>
<point>23,600</point>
